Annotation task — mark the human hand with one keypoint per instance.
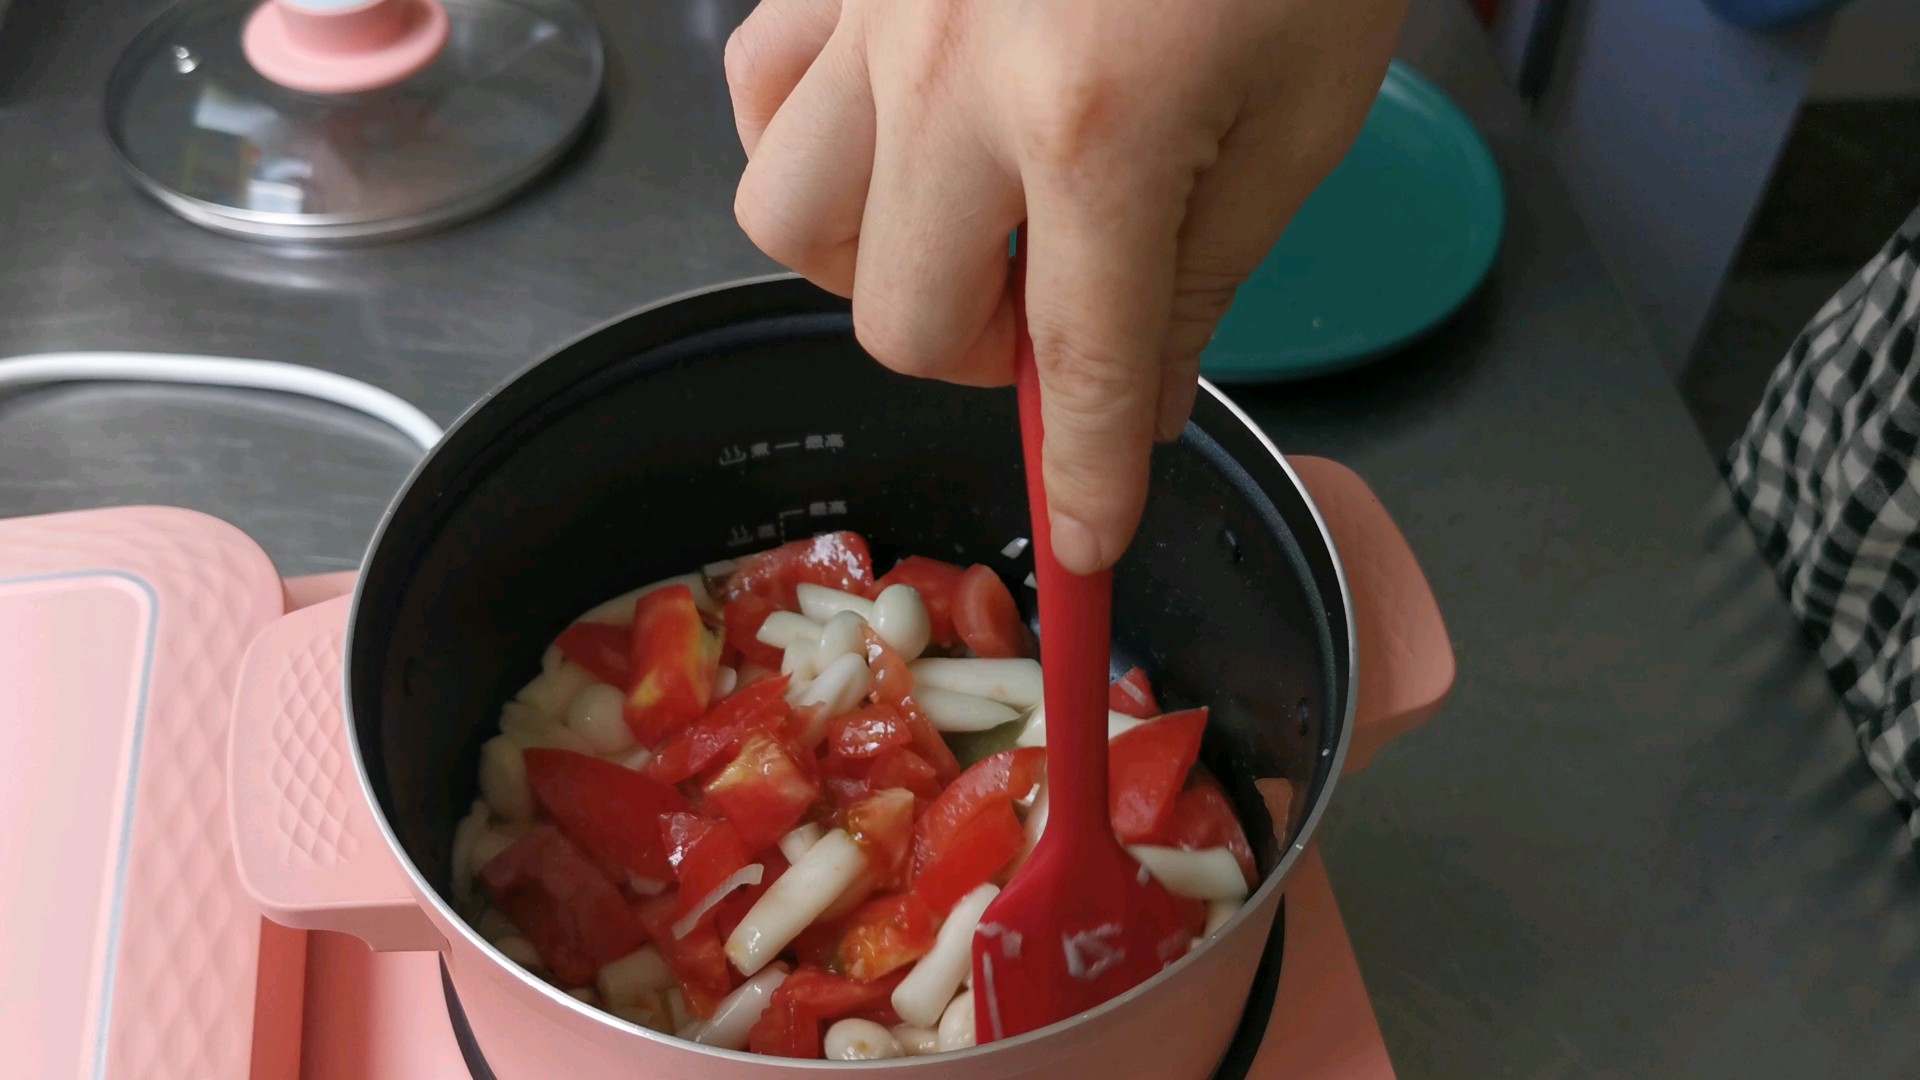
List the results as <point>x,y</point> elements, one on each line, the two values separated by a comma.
<point>1155,152</point>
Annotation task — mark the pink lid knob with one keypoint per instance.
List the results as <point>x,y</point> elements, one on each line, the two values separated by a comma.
<point>343,46</point>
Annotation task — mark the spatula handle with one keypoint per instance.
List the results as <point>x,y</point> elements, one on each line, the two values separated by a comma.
<point>1076,616</point>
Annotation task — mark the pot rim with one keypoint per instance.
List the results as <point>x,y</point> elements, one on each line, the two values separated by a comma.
<point>439,908</point>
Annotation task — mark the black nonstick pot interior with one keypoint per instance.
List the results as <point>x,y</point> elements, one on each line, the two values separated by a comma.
<point>724,422</point>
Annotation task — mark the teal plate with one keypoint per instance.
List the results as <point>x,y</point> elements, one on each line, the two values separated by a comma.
<point>1396,239</point>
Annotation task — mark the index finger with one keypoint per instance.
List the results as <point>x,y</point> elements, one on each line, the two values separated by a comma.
<point>1100,271</point>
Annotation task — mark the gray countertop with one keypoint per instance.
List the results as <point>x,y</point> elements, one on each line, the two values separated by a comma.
<point>1638,842</point>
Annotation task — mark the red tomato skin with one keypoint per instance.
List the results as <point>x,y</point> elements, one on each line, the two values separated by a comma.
<point>1203,818</point>
<point>970,857</point>
<point>608,809</point>
<point>717,734</point>
<point>698,961</point>
<point>1132,695</point>
<point>742,618</point>
<point>868,732</point>
<point>605,651</point>
<point>936,582</point>
<point>906,769</point>
<point>886,934</point>
<point>675,660</point>
<point>573,914</point>
<point>838,560</point>
<point>734,908</point>
<point>1146,768</point>
<point>882,824</point>
<point>993,781</point>
<point>764,791</point>
<point>810,997</point>
<point>893,685</point>
<point>986,617</point>
<point>703,852</point>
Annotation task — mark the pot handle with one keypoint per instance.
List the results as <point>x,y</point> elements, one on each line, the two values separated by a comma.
<point>305,839</point>
<point>1405,659</point>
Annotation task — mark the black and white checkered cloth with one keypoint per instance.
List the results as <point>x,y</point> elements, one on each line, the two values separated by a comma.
<point>1828,476</point>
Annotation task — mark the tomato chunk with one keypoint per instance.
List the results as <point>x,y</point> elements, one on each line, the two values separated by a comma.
<point>1146,768</point>
<point>610,810</point>
<point>993,782</point>
<point>759,706</point>
<point>810,997</point>
<point>838,560</point>
<point>886,934</point>
<point>882,824</point>
<point>868,732</point>
<point>735,907</point>
<point>763,791</point>
<point>893,685</point>
<point>971,856</point>
<point>698,960</point>
<point>1131,695</point>
<point>1203,818</point>
<point>905,769</point>
<point>605,651</point>
<point>742,618</point>
<point>704,854</point>
<point>986,617</point>
<point>937,582</point>
<point>675,659</point>
<point>573,914</point>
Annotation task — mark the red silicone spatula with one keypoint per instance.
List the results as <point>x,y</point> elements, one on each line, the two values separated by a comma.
<point>1080,922</point>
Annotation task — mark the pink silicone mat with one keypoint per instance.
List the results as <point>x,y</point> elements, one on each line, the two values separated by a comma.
<point>130,950</point>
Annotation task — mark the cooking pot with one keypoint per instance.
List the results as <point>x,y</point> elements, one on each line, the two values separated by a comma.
<point>722,422</point>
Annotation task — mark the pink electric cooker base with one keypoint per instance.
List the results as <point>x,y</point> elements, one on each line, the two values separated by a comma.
<point>137,952</point>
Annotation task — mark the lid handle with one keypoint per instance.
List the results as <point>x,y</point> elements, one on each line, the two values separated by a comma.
<point>343,46</point>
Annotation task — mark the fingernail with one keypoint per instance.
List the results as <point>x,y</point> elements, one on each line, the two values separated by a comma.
<point>1075,545</point>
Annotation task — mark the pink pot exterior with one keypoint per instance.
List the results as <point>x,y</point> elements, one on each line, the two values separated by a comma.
<point>315,855</point>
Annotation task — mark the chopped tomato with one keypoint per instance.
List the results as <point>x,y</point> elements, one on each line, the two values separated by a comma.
<point>759,706</point>
<point>608,809</point>
<point>975,852</point>
<point>1131,695</point>
<point>704,853</point>
<point>790,1024</point>
<point>936,582</point>
<point>743,618</point>
<point>605,651</point>
<point>893,685</point>
<point>993,781</point>
<point>698,960</point>
<point>764,790</point>
<point>986,618</point>
<point>892,679</point>
<point>882,824</point>
<point>573,914</point>
<point>735,907</point>
<point>905,769</point>
<point>885,934</point>
<point>868,732</point>
<point>838,560</point>
<point>1203,818</point>
<point>675,659</point>
<point>1146,768</point>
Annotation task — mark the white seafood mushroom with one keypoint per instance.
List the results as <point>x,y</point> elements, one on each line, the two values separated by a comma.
<point>794,900</point>
<point>1014,682</point>
<point>854,1039</point>
<point>900,618</point>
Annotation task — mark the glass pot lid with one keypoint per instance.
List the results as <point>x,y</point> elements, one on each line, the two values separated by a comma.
<point>344,120</point>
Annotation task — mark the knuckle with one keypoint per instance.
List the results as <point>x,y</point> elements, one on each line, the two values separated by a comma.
<point>738,59</point>
<point>895,340</point>
<point>1081,379</point>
